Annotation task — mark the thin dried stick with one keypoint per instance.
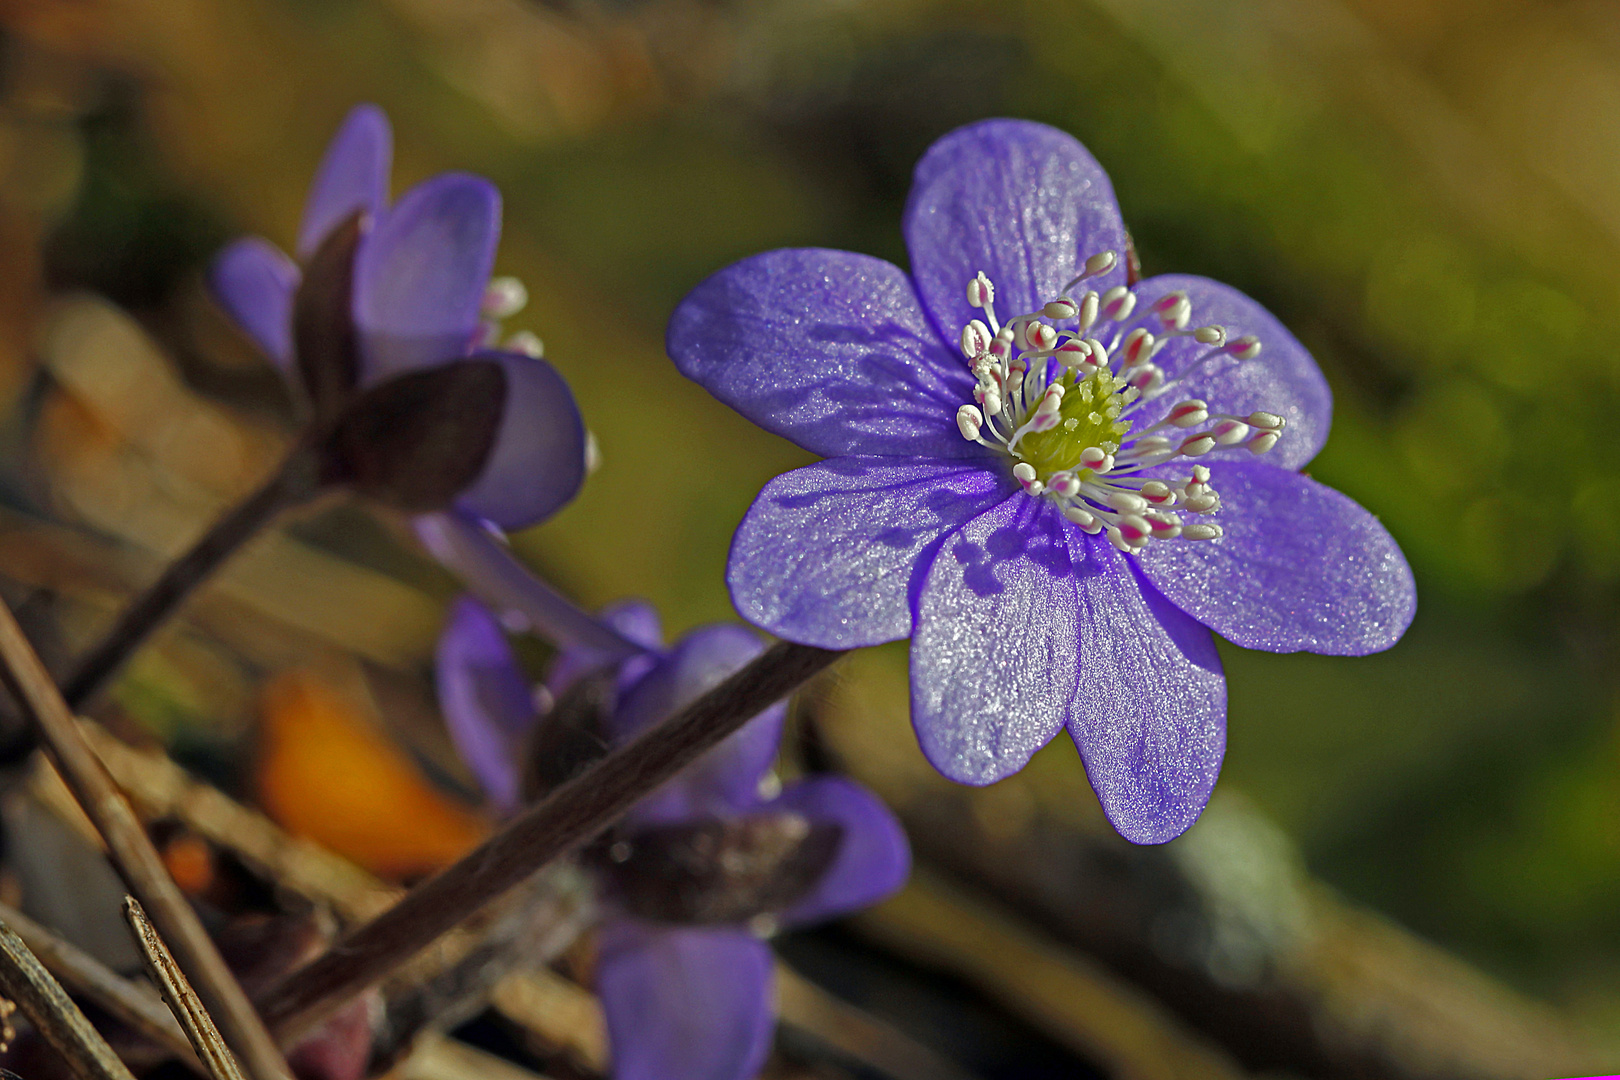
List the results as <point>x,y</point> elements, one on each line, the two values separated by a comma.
<point>132,853</point>
<point>292,483</point>
<point>183,1001</point>
<point>571,815</point>
<point>24,980</point>
<point>131,1003</point>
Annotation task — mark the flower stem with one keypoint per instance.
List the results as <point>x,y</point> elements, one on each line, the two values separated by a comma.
<point>571,815</point>
<point>497,578</point>
<point>294,481</point>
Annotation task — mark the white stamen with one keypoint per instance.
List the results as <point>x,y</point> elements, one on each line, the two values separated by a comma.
<point>1244,348</point>
<point>980,293</point>
<point>1098,460</point>
<point>1087,315</point>
<point>1267,421</point>
<point>1210,335</point>
<point>969,420</point>
<point>1189,413</point>
<point>1137,348</point>
<point>1230,432</point>
<point>1100,263</point>
<point>1262,442</point>
<point>1201,531</point>
<point>976,338</point>
<point>503,298</point>
<point>1118,303</point>
<point>1197,445</point>
<point>527,343</point>
<point>1060,309</point>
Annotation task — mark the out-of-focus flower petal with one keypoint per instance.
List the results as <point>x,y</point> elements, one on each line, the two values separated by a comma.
<point>873,857</point>
<point>831,554</point>
<point>993,659</point>
<point>1149,713</point>
<point>1300,567</point>
<point>685,1004</point>
<point>420,276</point>
<point>488,705</point>
<point>1022,202</point>
<point>352,176</point>
<point>254,282</point>
<point>1283,379</point>
<point>726,779</point>
<point>636,621</point>
<point>827,348</point>
<point>538,462</point>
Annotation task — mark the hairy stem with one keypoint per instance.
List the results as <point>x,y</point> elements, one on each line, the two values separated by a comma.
<point>572,814</point>
<point>293,482</point>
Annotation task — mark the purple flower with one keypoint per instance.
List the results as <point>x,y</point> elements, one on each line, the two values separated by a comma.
<point>422,297</point>
<point>688,881</point>
<point>1053,506</point>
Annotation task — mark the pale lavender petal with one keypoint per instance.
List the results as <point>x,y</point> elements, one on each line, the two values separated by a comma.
<point>1283,379</point>
<point>420,276</point>
<point>1022,202</point>
<point>727,778</point>
<point>487,703</point>
<point>1149,712</point>
<point>352,176</point>
<point>830,554</point>
<point>685,1003</point>
<point>1300,567</point>
<point>637,622</point>
<point>479,555</point>
<point>993,660</point>
<point>538,462</point>
<point>873,857</point>
<point>829,349</point>
<point>254,282</point>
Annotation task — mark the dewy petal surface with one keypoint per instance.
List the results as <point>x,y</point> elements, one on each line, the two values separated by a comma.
<point>1300,567</point>
<point>420,276</point>
<point>1283,379</point>
<point>827,348</point>
<point>353,175</point>
<point>830,554</point>
<point>254,282</point>
<point>1022,202</point>
<point>487,703</point>
<point>538,462</point>
<point>1149,716</point>
<point>993,659</point>
<point>727,778</point>
<point>685,1003</point>
<point>873,857</point>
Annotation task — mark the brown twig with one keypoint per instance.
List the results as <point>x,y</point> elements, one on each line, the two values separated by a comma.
<point>568,817</point>
<point>24,980</point>
<point>183,1001</point>
<point>132,853</point>
<point>293,482</point>
<point>130,1003</point>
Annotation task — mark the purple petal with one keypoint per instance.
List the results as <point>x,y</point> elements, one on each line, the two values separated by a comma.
<point>538,461</point>
<point>873,857</point>
<point>420,275</point>
<point>994,657</point>
<point>1300,567</point>
<point>492,573</point>
<point>685,1004</point>
<point>1149,714</point>
<point>254,282</point>
<point>1022,202</point>
<point>828,349</point>
<point>488,705</point>
<point>352,176</point>
<point>726,779</point>
<point>1283,379</point>
<point>830,554</point>
<point>634,620</point>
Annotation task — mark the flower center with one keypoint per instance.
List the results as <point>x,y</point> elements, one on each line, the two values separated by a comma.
<point>1058,401</point>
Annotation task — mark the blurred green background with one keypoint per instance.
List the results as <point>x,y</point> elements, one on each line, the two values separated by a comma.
<point>1426,191</point>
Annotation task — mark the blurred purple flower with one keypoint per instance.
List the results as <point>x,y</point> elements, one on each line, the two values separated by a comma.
<point>1031,516</point>
<point>685,999</point>
<point>422,296</point>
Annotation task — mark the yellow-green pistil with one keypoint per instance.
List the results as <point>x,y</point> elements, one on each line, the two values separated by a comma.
<point>1088,416</point>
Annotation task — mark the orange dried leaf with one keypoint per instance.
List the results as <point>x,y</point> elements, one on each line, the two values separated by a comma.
<point>326,773</point>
